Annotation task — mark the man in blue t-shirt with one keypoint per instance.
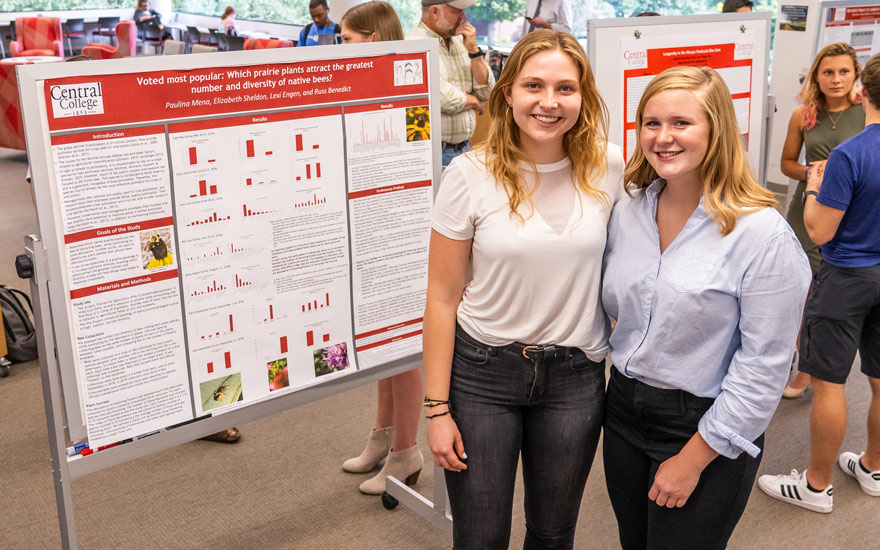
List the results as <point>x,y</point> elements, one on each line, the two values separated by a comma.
<point>321,30</point>
<point>843,314</point>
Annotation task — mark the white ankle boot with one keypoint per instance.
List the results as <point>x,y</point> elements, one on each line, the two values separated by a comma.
<point>404,465</point>
<point>378,447</point>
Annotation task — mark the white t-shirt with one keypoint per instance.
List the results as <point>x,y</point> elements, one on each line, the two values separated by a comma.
<point>537,282</point>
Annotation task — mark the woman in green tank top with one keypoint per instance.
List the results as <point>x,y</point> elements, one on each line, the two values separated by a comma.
<point>827,116</point>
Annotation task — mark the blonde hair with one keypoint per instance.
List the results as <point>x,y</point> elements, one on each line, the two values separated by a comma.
<point>585,143</point>
<point>729,187</point>
<point>375,17</point>
<point>811,97</point>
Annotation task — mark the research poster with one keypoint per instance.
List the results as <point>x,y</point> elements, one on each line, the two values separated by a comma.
<point>233,234</point>
<point>858,26</point>
<point>643,59</point>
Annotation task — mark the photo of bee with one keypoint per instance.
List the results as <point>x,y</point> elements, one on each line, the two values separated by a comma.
<point>156,248</point>
<point>221,391</point>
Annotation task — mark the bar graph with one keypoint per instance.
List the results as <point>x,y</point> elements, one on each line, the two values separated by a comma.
<point>317,171</point>
<point>214,286</point>
<point>213,218</point>
<point>378,135</point>
<point>227,362</point>
<point>217,333</point>
<point>247,212</point>
<point>310,338</point>
<point>204,190</point>
<point>314,201</point>
<point>315,305</point>
<point>194,157</point>
<point>239,282</point>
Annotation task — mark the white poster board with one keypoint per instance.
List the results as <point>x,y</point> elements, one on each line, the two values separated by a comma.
<point>627,53</point>
<point>225,229</point>
<point>856,22</point>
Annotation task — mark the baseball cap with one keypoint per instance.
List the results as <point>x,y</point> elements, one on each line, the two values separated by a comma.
<point>460,4</point>
<point>733,5</point>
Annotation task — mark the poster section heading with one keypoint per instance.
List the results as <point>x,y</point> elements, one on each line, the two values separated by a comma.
<point>103,100</point>
<point>733,61</point>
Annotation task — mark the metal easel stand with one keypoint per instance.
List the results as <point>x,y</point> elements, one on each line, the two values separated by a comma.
<point>436,512</point>
<point>33,265</point>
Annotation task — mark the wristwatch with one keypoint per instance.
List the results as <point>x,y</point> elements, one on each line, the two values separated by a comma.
<point>808,193</point>
<point>476,54</point>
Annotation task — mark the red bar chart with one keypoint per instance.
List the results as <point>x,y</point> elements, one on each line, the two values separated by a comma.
<point>314,201</point>
<point>213,287</point>
<point>310,338</point>
<point>239,282</point>
<point>204,190</point>
<point>283,342</point>
<point>249,144</point>
<point>248,212</point>
<point>314,305</point>
<point>193,156</point>
<point>213,218</point>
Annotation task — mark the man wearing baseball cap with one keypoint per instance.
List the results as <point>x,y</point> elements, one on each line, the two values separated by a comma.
<point>465,78</point>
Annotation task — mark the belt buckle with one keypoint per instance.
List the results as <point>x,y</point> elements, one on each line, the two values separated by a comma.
<point>538,350</point>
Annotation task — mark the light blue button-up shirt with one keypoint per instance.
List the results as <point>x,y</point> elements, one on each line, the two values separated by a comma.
<point>716,316</point>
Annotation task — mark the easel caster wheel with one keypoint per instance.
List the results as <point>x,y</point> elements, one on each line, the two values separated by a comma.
<point>4,372</point>
<point>389,502</point>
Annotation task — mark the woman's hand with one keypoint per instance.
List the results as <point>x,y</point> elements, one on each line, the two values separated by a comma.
<point>444,439</point>
<point>674,482</point>
<point>677,477</point>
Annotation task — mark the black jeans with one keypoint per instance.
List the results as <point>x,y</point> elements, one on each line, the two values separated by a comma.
<point>644,426</point>
<point>504,404</point>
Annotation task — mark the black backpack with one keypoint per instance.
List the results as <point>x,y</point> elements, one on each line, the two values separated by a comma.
<point>21,337</point>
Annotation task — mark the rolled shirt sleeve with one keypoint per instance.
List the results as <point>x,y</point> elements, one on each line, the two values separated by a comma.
<point>772,295</point>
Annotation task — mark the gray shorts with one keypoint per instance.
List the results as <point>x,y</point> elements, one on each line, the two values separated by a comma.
<point>842,317</point>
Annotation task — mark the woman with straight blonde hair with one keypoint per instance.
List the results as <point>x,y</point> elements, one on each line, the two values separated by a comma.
<point>706,282</point>
<point>374,21</point>
<point>827,116</point>
<point>393,439</point>
<point>515,364</point>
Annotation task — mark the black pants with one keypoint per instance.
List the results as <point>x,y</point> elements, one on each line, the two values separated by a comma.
<point>644,426</point>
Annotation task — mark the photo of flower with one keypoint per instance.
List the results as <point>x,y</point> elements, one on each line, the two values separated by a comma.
<point>418,123</point>
<point>278,374</point>
<point>331,359</point>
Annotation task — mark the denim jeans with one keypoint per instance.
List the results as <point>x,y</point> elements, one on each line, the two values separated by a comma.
<point>448,153</point>
<point>644,426</point>
<point>550,410</point>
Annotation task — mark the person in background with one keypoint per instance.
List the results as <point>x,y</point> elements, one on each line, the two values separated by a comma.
<point>393,439</point>
<point>733,6</point>
<point>146,16</point>
<point>227,22</point>
<point>515,365</point>
<point>827,116</point>
<point>465,78</point>
<point>320,25</point>
<point>548,14</point>
<point>707,282</point>
<point>843,315</point>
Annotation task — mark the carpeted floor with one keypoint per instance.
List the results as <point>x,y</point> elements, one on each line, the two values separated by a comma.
<point>282,486</point>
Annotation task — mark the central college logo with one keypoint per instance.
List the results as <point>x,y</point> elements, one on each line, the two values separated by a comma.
<point>77,99</point>
<point>635,59</point>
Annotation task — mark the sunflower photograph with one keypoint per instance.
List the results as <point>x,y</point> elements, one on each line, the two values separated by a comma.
<point>418,124</point>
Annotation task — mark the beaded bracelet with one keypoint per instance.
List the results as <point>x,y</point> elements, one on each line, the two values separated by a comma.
<point>434,402</point>
<point>436,415</point>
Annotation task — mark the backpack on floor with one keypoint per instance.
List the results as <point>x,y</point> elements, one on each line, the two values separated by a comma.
<point>21,337</point>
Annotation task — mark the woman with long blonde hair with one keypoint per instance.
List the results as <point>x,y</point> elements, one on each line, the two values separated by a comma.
<point>393,438</point>
<point>827,116</point>
<point>706,282</point>
<point>515,363</point>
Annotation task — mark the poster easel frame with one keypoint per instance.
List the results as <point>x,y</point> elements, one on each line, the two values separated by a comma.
<point>61,400</point>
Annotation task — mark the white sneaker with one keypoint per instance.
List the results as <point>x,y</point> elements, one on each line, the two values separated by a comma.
<point>849,463</point>
<point>793,489</point>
